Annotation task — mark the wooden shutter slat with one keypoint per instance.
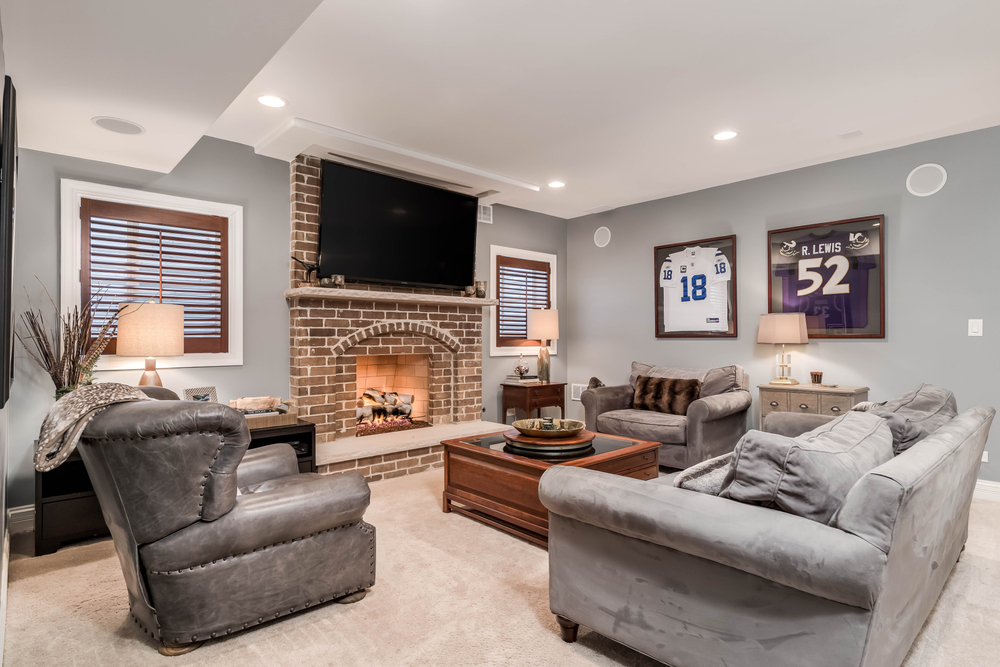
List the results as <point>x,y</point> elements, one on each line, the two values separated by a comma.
<point>128,248</point>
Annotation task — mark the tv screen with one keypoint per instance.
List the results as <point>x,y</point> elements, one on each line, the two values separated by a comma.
<point>8,178</point>
<point>380,229</point>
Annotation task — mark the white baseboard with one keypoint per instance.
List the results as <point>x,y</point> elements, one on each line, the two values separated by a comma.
<point>986,490</point>
<point>22,519</point>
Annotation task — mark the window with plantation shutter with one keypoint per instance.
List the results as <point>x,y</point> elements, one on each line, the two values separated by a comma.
<point>135,253</point>
<point>522,285</point>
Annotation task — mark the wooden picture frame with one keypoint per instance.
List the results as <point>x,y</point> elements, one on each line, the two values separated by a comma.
<point>832,271</point>
<point>677,310</point>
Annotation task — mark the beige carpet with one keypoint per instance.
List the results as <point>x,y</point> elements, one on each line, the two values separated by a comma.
<point>449,592</point>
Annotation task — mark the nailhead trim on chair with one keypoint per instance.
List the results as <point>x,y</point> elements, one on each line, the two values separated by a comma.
<point>223,560</point>
<point>368,528</point>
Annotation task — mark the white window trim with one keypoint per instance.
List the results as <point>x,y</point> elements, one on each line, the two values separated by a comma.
<point>72,192</point>
<point>495,349</point>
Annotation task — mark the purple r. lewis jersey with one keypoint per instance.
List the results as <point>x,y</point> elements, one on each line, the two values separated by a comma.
<point>827,278</point>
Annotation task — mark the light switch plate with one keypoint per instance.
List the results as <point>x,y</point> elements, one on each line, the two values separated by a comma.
<point>986,457</point>
<point>576,391</point>
<point>975,327</point>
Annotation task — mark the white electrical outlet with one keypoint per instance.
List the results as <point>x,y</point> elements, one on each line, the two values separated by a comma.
<point>975,327</point>
<point>986,457</point>
<point>576,391</point>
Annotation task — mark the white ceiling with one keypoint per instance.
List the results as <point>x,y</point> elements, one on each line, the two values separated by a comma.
<point>617,99</point>
<point>172,66</point>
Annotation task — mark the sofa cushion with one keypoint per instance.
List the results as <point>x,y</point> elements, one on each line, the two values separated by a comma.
<point>809,475</point>
<point>713,381</point>
<point>644,425</point>
<point>649,370</point>
<point>667,395</point>
<point>916,414</point>
<point>720,381</point>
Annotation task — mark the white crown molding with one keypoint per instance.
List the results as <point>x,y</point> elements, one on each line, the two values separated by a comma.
<point>72,192</point>
<point>298,136</point>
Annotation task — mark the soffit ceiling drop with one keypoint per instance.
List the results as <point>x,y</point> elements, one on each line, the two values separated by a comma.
<point>171,67</point>
<point>620,100</point>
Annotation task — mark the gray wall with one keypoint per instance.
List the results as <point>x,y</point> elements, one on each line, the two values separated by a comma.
<point>517,228</point>
<point>214,170</point>
<point>942,269</point>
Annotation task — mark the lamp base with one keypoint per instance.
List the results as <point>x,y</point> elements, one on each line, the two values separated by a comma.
<point>150,378</point>
<point>543,362</point>
<point>784,381</point>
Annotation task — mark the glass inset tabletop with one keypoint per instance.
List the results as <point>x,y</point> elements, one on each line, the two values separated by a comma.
<point>602,444</point>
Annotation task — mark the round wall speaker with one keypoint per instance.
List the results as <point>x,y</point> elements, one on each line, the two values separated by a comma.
<point>926,179</point>
<point>602,237</point>
<point>119,125</point>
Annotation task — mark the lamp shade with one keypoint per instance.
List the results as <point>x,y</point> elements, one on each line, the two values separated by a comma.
<point>543,324</point>
<point>150,330</point>
<point>783,328</point>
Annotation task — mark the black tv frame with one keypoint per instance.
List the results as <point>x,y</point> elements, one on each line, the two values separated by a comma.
<point>382,281</point>
<point>8,182</point>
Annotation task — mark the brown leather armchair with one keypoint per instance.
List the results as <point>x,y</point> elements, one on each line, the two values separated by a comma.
<point>213,539</point>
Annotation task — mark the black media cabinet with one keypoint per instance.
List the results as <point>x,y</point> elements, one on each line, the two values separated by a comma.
<point>66,507</point>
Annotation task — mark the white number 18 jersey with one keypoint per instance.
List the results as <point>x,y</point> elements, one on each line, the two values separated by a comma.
<point>695,295</point>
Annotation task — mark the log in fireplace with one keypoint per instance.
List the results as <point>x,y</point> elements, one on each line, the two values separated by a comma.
<point>385,411</point>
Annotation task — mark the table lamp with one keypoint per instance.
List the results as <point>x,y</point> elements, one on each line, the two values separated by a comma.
<point>543,325</point>
<point>783,328</point>
<point>150,330</point>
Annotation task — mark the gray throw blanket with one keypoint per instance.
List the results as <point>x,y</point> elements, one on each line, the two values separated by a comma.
<point>66,420</point>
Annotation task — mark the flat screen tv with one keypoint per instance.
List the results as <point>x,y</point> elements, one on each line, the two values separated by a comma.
<point>380,229</point>
<point>8,177</point>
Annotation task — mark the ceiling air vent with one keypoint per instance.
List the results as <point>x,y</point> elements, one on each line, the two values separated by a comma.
<point>485,214</point>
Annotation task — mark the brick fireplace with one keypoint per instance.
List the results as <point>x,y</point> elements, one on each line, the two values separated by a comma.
<point>434,335</point>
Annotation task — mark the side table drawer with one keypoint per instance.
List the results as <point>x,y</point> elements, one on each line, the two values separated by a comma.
<point>773,401</point>
<point>833,405</point>
<point>549,392</point>
<point>72,517</point>
<point>644,473</point>
<point>803,403</point>
<point>644,459</point>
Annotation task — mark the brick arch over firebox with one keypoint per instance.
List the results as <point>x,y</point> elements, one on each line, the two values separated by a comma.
<point>396,326</point>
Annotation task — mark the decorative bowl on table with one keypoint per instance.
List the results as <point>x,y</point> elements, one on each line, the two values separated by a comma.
<point>549,428</point>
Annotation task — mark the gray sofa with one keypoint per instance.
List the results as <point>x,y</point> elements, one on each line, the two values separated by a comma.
<point>713,425</point>
<point>213,539</point>
<point>697,580</point>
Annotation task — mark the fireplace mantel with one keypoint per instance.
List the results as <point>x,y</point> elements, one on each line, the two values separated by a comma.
<point>374,295</point>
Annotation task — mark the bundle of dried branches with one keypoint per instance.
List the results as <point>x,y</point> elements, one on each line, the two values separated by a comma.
<point>71,364</point>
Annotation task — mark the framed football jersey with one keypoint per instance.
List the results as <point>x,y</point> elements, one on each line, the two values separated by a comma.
<point>834,272</point>
<point>695,288</point>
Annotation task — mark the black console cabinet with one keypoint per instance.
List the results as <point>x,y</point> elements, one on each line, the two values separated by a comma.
<point>66,507</point>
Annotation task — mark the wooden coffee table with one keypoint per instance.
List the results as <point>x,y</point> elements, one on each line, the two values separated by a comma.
<point>486,482</point>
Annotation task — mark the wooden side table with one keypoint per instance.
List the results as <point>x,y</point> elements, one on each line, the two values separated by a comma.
<point>810,399</point>
<point>534,396</point>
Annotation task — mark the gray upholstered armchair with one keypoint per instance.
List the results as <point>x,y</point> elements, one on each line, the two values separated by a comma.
<point>213,539</point>
<point>712,426</point>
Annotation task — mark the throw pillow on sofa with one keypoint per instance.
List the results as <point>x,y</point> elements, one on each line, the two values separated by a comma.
<point>916,414</point>
<point>809,475</point>
<point>667,395</point>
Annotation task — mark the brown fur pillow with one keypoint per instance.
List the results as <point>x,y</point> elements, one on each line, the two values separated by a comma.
<point>667,395</point>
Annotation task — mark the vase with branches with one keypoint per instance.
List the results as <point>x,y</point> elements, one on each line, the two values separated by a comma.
<point>67,352</point>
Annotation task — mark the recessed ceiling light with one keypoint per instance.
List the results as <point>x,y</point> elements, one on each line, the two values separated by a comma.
<point>725,136</point>
<point>119,125</point>
<point>271,101</point>
<point>556,184</point>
